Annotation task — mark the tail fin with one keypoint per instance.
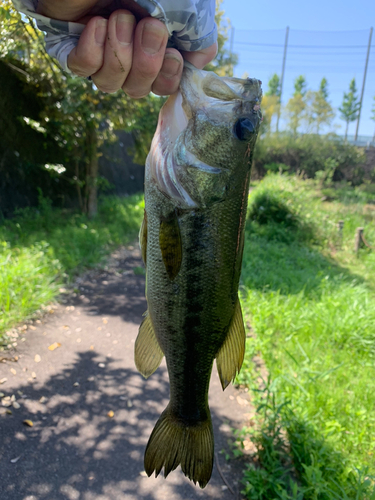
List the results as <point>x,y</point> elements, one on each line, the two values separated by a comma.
<point>172,443</point>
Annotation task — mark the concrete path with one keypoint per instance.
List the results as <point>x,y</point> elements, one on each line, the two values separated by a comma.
<point>72,375</point>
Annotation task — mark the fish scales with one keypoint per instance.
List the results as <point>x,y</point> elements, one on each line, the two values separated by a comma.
<point>196,187</point>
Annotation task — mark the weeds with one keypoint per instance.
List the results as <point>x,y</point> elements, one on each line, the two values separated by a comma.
<point>311,305</point>
<point>44,247</point>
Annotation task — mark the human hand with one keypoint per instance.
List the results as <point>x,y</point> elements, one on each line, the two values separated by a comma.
<point>123,48</point>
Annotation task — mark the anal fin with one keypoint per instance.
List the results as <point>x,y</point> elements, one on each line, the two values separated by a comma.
<point>230,357</point>
<point>147,351</point>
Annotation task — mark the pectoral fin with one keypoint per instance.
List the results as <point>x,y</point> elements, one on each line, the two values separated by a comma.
<point>230,357</point>
<point>147,351</point>
<point>143,238</point>
<point>170,245</point>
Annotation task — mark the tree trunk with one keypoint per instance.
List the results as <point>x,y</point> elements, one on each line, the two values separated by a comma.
<point>78,185</point>
<point>92,171</point>
<point>346,130</point>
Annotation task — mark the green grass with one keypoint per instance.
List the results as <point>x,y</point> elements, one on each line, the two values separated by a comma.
<point>42,249</point>
<point>311,304</point>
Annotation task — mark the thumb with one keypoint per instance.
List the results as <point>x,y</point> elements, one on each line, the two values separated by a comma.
<point>201,57</point>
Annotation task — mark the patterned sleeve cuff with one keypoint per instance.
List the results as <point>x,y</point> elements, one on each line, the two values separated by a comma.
<point>186,43</point>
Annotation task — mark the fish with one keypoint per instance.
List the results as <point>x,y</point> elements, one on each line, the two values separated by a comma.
<point>192,238</point>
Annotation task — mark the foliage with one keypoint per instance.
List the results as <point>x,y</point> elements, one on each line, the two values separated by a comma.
<point>68,119</point>
<point>270,108</point>
<point>350,106</point>
<point>294,460</point>
<point>274,85</point>
<point>307,154</point>
<point>320,111</point>
<point>325,176</point>
<point>300,86</point>
<point>44,247</point>
<point>311,305</point>
<point>267,208</point>
<point>270,103</point>
<point>373,115</point>
<point>296,106</point>
<point>225,61</point>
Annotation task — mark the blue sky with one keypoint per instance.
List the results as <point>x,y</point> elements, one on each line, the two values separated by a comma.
<point>326,39</point>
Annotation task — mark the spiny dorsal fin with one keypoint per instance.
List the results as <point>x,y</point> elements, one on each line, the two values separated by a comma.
<point>170,245</point>
<point>174,442</point>
<point>230,357</point>
<point>143,238</point>
<point>147,351</point>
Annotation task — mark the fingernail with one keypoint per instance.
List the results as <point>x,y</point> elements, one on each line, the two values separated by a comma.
<point>171,66</point>
<point>124,28</point>
<point>152,38</point>
<point>101,31</point>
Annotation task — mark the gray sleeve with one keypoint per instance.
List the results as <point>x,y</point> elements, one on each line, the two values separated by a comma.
<point>190,23</point>
<point>60,36</point>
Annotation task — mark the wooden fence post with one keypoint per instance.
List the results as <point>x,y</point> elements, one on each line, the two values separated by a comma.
<point>358,239</point>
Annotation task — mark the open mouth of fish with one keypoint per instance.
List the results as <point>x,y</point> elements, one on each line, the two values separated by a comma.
<point>233,101</point>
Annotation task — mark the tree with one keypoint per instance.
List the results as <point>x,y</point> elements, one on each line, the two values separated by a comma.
<point>296,105</point>
<point>300,86</point>
<point>319,111</point>
<point>373,117</point>
<point>274,86</point>
<point>271,102</point>
<point>72,113</point>
<point>350,106</point>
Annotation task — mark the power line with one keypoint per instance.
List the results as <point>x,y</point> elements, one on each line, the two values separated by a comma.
<point>305,46</point>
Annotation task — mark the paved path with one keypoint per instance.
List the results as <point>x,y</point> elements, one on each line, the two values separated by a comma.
<point>77,449</point>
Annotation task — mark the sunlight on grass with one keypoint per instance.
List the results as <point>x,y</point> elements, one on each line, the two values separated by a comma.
<point>311,305</point>
<point>41,249</point>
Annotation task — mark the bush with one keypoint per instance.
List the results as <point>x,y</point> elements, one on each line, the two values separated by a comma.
<point>267,207</point>
<point>309,154</point>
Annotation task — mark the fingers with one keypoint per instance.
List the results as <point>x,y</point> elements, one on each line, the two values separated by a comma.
<point>88,56</point>
<point>201,57</point>
<point>118,52</point>
<point>168,80</point>
<point>150,41</point>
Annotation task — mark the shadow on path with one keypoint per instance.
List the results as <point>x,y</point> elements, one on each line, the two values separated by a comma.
<point>75,450</point>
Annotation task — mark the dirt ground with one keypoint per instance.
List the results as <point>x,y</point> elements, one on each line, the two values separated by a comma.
<point>71,374</point>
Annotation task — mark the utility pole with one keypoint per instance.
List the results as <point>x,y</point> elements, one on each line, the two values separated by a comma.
<point>282,76</point>
<point>231,47</point>
<point>363,84</point>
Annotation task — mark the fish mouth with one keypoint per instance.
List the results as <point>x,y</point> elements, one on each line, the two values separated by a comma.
<point>221,100</point>
<point>204,89</point>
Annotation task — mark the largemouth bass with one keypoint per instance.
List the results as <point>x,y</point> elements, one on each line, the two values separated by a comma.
<point>192,237</point>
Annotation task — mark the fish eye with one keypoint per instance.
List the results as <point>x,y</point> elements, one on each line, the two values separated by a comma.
<point>243,129</point>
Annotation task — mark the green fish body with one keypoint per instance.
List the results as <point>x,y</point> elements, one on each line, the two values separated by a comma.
<point>196,191</point>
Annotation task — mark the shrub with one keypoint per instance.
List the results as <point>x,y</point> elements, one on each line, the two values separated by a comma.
<point>309,154</point>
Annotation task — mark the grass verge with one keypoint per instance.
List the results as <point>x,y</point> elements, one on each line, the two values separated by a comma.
<point>41,249</point>
<point>311,305</point>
